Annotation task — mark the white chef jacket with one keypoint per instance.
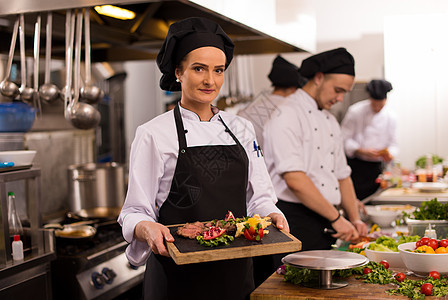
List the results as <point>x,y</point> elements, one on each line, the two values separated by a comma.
<point>260,111</point>
<point>363,128</point>
<point>304,138</point>
<point>153,159</point>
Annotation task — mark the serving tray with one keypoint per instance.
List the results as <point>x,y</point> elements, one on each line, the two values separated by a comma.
<point>189,251</point>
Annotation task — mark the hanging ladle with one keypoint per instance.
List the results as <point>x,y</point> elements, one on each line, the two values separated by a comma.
<point>81,115</point>
<point>26,93</point>
<point>36,98</point>
<point>66,93</point>
<point>7,87</point>
<point>89,92</point>
<point>48,91</point>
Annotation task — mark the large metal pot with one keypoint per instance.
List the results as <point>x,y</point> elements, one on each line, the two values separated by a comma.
<point>96,188</point>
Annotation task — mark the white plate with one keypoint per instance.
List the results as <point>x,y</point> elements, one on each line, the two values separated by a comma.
<point>430,186</point>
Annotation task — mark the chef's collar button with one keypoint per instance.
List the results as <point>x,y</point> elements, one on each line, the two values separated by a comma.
<point>182,151</point>
<point>186,130</point>
<point>337,188</point>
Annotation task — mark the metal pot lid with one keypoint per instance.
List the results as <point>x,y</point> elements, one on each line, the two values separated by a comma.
<point>325,260</point>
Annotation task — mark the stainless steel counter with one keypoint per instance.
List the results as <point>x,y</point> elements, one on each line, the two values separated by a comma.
<point>408,196</point>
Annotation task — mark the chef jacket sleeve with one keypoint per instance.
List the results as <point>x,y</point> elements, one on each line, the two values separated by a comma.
<point>283,139</point>
<point>392,135</point>
<point>348,128</point>
<point>145,172</point>
<point>260,194</point>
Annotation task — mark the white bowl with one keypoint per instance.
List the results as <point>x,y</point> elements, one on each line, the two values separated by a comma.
<point>19,158</point>
<point>430,187</point>
<point>393,258</point>
<point>422,263</point>
<point>384,218</point>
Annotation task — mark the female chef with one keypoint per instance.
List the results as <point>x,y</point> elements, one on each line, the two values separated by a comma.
<point>193,163</point>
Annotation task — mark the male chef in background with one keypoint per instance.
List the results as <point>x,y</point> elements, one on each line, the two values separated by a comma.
<point>285,79</point>
<point>369,132</point>
<point>304,154</point>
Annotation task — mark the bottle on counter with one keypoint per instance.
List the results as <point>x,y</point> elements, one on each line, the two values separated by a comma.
<point>430,233</point>
<point>15,225</point>
<point>17,248</point>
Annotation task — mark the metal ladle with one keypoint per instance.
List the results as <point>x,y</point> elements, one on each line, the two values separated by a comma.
<point>48,92</point>
<point>89,92</point>
<point>26,93</point>
<point>36,98</point>
<point>66,93</point>
<point>7,87</point>
<point>81,115</point>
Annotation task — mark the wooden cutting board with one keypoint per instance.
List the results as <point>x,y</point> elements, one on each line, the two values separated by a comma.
<point>275,288</point>
<point>188,251</point>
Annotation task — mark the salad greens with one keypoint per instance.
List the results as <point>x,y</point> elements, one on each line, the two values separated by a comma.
<point>221,240</point>
<point>431,210</point>
<point>388,244</point>
<point>411,288</point>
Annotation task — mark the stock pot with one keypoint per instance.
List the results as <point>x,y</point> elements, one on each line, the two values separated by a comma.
<point>96,190</point>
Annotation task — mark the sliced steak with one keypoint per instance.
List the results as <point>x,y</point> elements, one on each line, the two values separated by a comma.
<point>191,230</point>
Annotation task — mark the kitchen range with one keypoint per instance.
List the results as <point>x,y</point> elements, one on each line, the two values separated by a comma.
<point>93,267</point>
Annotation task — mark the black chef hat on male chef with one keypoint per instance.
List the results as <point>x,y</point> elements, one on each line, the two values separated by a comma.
<point>285,74</point>
<point>185,36</point>
<point>336,61</point>
<point>378,89</point>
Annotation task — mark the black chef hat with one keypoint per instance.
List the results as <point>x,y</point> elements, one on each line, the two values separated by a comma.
<point>185,36</point>
<point>285,74</point>
<point>336,61</point>
<point>378,89</point>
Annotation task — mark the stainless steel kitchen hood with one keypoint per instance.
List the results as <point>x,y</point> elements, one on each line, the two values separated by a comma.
<point>140,38</point>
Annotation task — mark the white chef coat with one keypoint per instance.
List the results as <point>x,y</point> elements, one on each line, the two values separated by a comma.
<point>363,128</point>
<point>153,159</point>
<point>303,138</point>
<point>259,111</point>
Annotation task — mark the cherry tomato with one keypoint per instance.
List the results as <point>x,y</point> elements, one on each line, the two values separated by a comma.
<point>444,243</point>
<point>434,274</point>
<point>433,243</point>
<point>400,277</point>
<point>367,270</point>
<point>426,289</point>
<point>424,240</point>
<point>418,244</point>
<point>385,264</point>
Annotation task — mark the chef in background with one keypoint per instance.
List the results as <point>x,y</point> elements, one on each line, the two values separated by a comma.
<point>285,79</point>
<point>369,131</point>
<point>304,154</point>
<point>193,163</point>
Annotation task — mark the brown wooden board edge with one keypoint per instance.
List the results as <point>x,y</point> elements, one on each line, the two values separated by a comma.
<point>233,253</point>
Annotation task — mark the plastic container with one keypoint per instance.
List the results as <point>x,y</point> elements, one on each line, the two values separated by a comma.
<point>17,248</point>
<point>418,227</point>
<point>16,117</point>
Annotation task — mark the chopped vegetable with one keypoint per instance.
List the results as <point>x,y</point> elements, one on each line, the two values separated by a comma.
<point>431,210</point>
<point>388,244</point>
<point>221,240</point>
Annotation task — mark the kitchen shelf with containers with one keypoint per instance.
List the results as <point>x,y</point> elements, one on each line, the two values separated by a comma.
<point>427,181</point>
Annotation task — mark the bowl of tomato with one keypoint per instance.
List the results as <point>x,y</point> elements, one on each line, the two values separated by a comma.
<point>424,256</point>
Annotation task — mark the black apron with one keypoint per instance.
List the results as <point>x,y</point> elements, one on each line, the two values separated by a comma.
<point>208,182</point>
<point>364,174</point>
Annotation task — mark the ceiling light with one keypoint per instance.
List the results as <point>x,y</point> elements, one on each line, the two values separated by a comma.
<point>115,12</point>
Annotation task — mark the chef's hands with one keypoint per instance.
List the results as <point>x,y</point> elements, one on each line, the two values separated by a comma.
<point>155,235</point>
<point>279,221</point>
<point>345,230</point>
<point>369,153</point>
<point>361,227</point>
